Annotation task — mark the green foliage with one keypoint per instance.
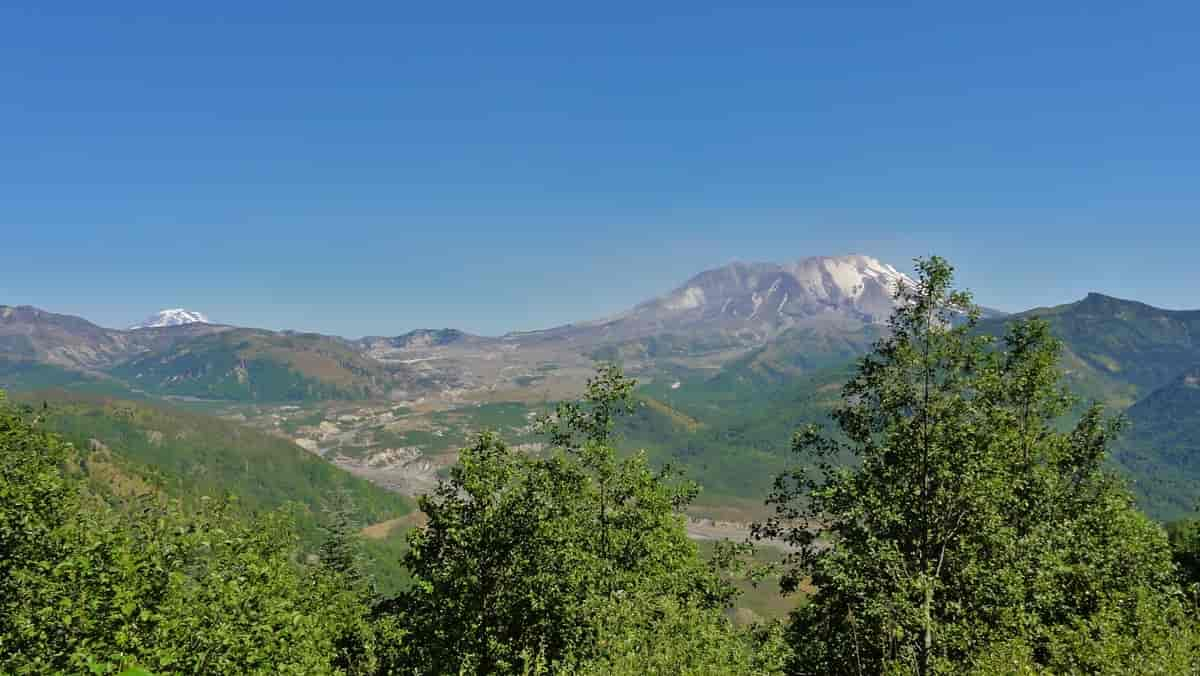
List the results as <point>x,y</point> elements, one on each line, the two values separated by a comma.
<point>1184,537</point>
<point>85,585</point>
<point>577,425</point>
<point>127,448</point>
<point>383,562</point>
<point>34,501</point>
<point>342,551</point>
<point>1150,634</point>
<point>523,558</point>
<point>1130,355</point>
<point>970,520</point>
<point>661,635</point>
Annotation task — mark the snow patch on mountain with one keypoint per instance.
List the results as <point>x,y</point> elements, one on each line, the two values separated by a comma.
<point>855,285</point>
<point>172,317</point>
<point>690,298</point>
<point>742,303</point>
<point>846,278</point>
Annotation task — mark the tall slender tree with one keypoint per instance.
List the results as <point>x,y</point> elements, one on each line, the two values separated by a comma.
<point>341,550</point>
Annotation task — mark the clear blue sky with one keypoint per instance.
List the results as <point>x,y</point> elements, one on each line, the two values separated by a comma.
<point>368,168</point>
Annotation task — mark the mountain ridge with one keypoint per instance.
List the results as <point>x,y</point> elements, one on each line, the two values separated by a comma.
<point>769,321</point>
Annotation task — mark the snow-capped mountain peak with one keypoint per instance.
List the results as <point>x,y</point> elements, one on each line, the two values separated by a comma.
<point>172,317</point>
<point>855,285</point>
<point>847,277</point>
<point>751,302</point>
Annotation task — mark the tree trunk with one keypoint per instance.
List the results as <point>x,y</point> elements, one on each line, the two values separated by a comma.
<point>927,639</point>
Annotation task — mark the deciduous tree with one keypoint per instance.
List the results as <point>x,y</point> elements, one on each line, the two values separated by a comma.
<point>969,517</point>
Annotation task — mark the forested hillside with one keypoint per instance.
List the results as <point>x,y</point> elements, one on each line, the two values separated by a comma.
<point>1161,448</point>
<point>257,365</point>
<point>132,449</point>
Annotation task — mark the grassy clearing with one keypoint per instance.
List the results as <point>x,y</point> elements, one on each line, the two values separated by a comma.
<point>764,600</point>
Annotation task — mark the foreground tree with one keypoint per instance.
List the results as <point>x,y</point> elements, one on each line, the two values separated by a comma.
<point>1184,537</point>
<point>966,519</point>
<point>525,561</point>
<point>86,587</point>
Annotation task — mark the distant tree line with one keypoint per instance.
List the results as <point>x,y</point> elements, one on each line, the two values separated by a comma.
<point>976,532</point>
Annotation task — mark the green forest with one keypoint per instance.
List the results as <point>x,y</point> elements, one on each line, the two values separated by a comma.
<point>960,514</point>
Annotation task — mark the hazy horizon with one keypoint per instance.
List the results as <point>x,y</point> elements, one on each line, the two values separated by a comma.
<point>460,326</point>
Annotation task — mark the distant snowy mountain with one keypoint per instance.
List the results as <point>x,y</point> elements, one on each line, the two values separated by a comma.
<point>770,296</point>
<point>855,286</point>
<point>173,317</point>
<point>752,302</point>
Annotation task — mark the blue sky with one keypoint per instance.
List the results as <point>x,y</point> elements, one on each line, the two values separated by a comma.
<point>368,168</point>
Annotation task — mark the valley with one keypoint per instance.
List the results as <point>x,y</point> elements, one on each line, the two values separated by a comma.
<point>728,364</point>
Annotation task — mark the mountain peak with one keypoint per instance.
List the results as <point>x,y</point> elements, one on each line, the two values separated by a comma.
<point>172,317</point>
<point>853,285</point>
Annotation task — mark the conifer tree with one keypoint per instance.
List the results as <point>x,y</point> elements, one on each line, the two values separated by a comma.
<point>341,550</point>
